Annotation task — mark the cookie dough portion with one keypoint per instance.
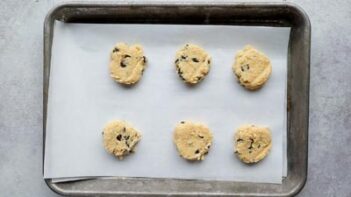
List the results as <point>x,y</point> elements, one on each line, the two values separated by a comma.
<point>127,63</point>
<point>252,143</point>
<point>120,138</point>
<point>252,68</point>
<point>192,63</point>
<point>193,140</point>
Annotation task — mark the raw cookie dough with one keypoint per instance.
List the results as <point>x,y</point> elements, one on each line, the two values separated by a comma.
<point>127,63</point>
<point>120,138</point>
<point>192,63</point>
<point>252,143</point>
<point>193,140</point>
<point>252,68</point>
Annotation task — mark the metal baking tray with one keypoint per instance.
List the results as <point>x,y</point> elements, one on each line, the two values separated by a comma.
<point>252,14</point>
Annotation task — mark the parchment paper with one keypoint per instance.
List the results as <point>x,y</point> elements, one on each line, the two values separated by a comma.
<point>83,98</point>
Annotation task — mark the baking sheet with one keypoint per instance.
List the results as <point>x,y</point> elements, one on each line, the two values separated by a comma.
<point>82,98</point>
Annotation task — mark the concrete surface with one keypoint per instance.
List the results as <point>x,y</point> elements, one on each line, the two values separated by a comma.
<point>21,24</point>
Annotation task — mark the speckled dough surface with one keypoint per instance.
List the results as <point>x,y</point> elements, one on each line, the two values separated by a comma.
<point>252,68</point>
<point>127,63</point>
<point>193,140</point>
<point>252,143</point>
<point>120,138</point>
<point>192,63</point>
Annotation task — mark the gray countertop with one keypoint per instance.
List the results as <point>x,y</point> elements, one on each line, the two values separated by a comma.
<point>21,45</point>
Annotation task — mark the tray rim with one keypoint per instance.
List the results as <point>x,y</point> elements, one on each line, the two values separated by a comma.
<point>47,55</point>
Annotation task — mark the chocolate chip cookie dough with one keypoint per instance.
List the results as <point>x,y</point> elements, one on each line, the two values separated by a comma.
<point>252,143</point>
<point>127,63</point>
<point>193,140</point>
<point>252,68</point>
<point>192,63</point>
<point>120,138</point>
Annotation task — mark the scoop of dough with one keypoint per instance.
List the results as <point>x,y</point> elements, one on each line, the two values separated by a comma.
<point>120,138</point>
<point>193,140</point>
<point>252,68</point>
<point>192,63</point>
<point>252,143</point>
<point>127,63</point>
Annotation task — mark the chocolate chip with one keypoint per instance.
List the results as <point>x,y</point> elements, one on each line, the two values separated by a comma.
<point>180,73</point>
<point>144,59</point>
<point>197,151</point>
<point>115,50</point>
<point>119,137</point>
<point>200,136</point>
<point>176,61</point>
<point>126,137</point>
<point>209,146</point>
<point>209,61</point>
<point>182,122</point>
<point>123,65</point>
<point>245,67</point>
<point>198,78</point>
<point>181,76</point>
<point>195,60</point>
<point>127,144</point>
<point>183,57</point>
<point>252,141</point>
<point>259,145</point>
<point>239,140</point>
